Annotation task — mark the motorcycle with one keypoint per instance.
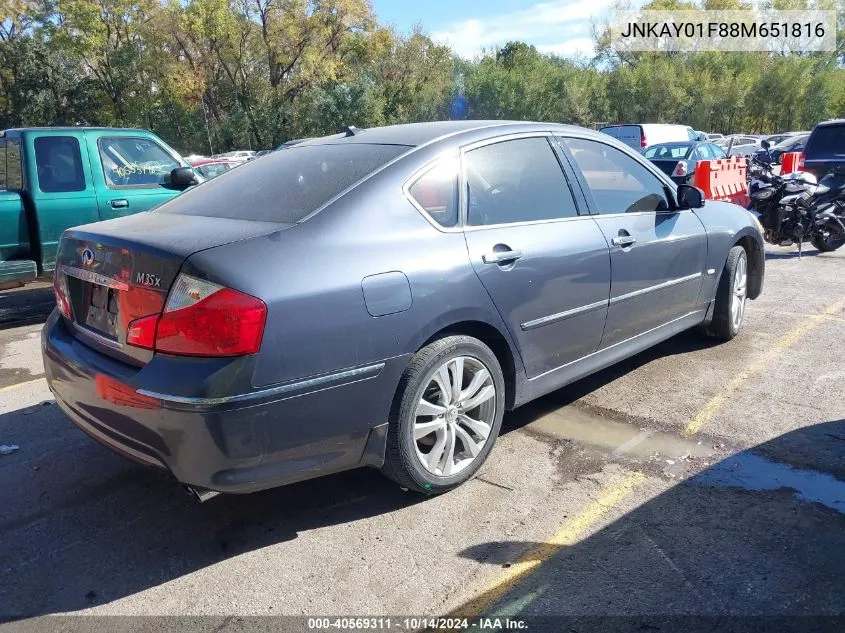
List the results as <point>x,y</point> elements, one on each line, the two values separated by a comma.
<point>797,207</point>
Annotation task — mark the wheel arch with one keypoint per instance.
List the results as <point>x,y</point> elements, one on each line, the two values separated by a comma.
<point>755,251</point>
<point>497,340</point>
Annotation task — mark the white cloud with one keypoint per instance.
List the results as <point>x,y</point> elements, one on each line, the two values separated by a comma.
<point>569,48</point>
<point>560,26</point>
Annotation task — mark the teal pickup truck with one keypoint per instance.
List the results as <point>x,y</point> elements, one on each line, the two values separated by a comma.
<point>55,178</point>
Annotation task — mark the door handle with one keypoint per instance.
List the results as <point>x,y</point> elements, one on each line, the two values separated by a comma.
<point>500,257</point>
<point>623,240</point>
<point>119,204</point>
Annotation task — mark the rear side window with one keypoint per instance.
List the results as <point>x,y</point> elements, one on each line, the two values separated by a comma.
<point>619,183</point>
<point>436,192</point>
<point>134,162</point>
<point>11,175</point>
<point>59,164</point>
<point>516,181</point>
<point>827,140</point>
<point>284,186</point>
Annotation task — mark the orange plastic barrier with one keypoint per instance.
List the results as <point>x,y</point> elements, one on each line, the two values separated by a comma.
<point>790,162</point>
<point>723,179</point>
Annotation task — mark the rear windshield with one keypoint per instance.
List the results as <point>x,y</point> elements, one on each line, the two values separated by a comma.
<point>667,151</point>
<point>284,186</point>
<point>827,140</point>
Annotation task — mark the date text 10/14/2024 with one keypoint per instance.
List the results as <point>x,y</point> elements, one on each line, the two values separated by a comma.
<point>416,624</point>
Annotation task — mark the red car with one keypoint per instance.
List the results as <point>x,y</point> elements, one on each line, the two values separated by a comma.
<point>212,167</point>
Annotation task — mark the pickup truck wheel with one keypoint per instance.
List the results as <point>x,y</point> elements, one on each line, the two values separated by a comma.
<point>446,415</point>
<point>731,296</point>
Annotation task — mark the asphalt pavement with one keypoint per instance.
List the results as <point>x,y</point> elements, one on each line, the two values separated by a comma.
<point>695,479</point>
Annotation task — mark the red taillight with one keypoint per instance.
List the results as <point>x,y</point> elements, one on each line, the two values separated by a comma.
<point>142,332</point>
<point>680,169</point>
<point>202,319</point>
<point>60,290</point>
<point>643,142</point>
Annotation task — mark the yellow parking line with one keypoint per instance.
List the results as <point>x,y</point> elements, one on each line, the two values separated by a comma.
<point>787,340</point>
<point>20,385</point>
<point>567,535</point>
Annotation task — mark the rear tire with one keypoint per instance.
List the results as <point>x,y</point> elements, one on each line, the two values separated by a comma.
<point>827,244</point>
<point>731,297</point>
<point>442,430</point>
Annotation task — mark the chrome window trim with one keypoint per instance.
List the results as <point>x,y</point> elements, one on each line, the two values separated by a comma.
<point>95,278</point>
<point>311,384</point>
<point>484,227</point>
<point>560,316</point>
<point>644,291</point>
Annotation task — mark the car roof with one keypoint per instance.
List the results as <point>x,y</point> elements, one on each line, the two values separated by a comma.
<point>416,134</point>
<point>70,128</point>
<point>832,122</point>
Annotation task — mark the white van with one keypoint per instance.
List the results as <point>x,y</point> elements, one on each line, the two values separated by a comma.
<point>641,135</point>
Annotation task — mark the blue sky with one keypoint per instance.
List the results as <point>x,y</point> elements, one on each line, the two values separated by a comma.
<point>553,26</point>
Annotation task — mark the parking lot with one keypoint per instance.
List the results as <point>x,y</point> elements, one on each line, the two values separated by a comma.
<point>694,478</point>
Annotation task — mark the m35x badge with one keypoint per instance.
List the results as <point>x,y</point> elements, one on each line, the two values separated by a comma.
<point>148,279</point>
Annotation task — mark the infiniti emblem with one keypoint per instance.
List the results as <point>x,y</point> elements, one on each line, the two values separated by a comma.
<point>87,257</point>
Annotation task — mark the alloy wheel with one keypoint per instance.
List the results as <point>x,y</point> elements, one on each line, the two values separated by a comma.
<point>455,415</point>
<point>740,291</point>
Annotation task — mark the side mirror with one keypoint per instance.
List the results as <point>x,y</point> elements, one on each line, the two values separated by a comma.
<point>183,177</point>
<point>690,197</point>
<point>765,144</point>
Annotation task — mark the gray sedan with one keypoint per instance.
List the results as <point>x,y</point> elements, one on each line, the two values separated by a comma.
<point>380,298</point>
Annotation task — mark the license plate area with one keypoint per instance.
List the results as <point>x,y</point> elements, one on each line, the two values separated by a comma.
<point>102,312</point>
<point>95,306</point>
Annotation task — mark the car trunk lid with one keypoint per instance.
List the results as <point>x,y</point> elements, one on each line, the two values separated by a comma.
<point>117,271</point>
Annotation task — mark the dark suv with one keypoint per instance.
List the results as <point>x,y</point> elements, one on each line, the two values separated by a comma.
<point>825,148</point>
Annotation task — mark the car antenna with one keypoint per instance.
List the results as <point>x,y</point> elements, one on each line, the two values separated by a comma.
<point>351,130</point>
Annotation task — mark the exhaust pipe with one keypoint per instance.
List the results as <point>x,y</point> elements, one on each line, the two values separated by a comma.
<point>201,494</point>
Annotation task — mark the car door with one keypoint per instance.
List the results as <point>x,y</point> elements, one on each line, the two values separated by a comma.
<point>546,268</point>
<point>131,172</point>
<point>60,184</point>
<point>657,254</point>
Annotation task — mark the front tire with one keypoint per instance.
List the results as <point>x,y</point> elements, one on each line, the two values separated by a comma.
<point>446,415</point>
<point>731,296</point>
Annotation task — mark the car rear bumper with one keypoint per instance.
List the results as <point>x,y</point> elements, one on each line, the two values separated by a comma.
<point>236,443</point>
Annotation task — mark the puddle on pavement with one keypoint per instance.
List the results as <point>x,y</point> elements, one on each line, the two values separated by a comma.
<point>616,437</point>
<point>752,472</point>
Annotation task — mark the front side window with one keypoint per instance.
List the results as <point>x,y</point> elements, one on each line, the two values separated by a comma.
<point>59,164</point>
<point>436,192</point>
<point>717,152</point>
<point>619,183</point>
<point>516,181</point>
<point>134,162</point>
